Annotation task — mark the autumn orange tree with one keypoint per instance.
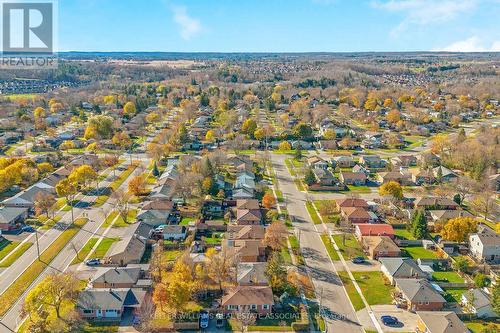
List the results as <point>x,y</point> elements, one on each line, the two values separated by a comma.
<point>276,235</point>
<point>137,185</point>
<point>391,188</point>
<point>268,200</point>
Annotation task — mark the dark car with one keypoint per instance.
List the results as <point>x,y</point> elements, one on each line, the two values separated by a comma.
<point>358,260</point>
<point>204,319</point>
<point>27,228</point>
<point>389,320</point>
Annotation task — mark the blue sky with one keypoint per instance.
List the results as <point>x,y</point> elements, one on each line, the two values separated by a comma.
<point>279,25</point>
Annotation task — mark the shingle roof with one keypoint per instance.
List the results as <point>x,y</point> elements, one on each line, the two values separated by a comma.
<point>252,272</point>
<point>8,214</point>
<point>398,267</point>
<point>112,299</point>
<point>118,275</point>
<point>247,295</point>
<point>442,322</point>
<point>419,290</point>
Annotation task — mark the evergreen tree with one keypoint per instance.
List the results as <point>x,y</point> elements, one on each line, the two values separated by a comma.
<point>419,225</point>
<point>309,177</point>
<point>298,153</point>
<point>156,172</point>
<point>495,298</point>
<point>458,199</point>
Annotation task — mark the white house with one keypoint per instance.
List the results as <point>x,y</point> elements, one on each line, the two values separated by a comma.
<point>485,245</point>
<point>477,302</point>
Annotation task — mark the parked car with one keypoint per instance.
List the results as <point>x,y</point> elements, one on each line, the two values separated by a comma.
<point>219,320</point>
<point>93,262</point>
<point>204,319</point>
<point>27,228</point>
<point>358,260</point>
<point>389,320</point>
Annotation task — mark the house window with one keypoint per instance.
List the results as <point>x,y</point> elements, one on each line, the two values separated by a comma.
<point>265,306</point>
<point>87,311</point>
<point>232,307</point>
<point>253,306</point>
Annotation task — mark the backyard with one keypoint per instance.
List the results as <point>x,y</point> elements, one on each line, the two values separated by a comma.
<point>348,246</point>
<point>418,252</point>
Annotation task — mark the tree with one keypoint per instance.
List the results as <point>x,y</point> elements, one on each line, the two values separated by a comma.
<point>276,235</point>
<point>45,168</point>
<point>155,170</point>
<point>484,202</point>
<point>284,146</point>
<point>219,266</point>
<point>43,203</point>
<point>419,225</point>
<point>67,188</point>
<point>160,295</point>
<point>391,188</point>
<point>129,109</point>
<point>268,200</point>
<point>180,287</point>
<point>458,199</point>
<point>480,280</point>
<point>57,293</point>
<point>137,185</point>
<point>122,201</point>
<point>309,177</point>
<point>330,134</point>
<point>303,131</point>
<point>99,127</point>
<point>156,263</point>
<point>461,264</point>
<point>459,228</point>
<point>210,136</point>
<point>83,175</point>
<point>249,126</point>
<point>393,116</point>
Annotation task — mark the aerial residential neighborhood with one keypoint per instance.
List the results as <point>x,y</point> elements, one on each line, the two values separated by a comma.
<point>300,190</point>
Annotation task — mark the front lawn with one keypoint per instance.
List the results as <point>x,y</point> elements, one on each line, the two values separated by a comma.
<point>6,247</point>
<point>171,255</point>
<point>294,244</point>
<point>454,294</point>
<point>349,246</point>
<point>418,252</point>
<point>477,326</point>
<point>186,220</point>
<point>103,247</point>
<point>131,215</point>
<point>449,276</point>
<point>375,287</point>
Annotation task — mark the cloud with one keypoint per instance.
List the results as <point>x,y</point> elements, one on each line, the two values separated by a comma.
<point>424,12</point>
<point>471,44</point>
<point>189,26</point>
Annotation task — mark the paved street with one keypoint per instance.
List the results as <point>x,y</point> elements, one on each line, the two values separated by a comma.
<point>338,308</point>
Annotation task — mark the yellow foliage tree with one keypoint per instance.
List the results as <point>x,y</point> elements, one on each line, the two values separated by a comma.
<point>458,229</point>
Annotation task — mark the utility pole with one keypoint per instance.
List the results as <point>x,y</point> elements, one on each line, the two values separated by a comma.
<point>37,244</point>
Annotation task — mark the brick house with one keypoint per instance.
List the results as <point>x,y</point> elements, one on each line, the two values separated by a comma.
<point>419,295</point>
<point>379,246</point>
<point>373,229</point>
<point>258,299</point>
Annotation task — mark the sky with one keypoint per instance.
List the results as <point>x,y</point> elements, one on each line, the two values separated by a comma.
<point>279,25</point>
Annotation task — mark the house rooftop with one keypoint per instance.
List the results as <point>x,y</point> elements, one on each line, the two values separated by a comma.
<point>442,322</point>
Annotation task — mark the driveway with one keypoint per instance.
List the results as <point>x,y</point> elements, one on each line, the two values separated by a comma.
<point>367,266</point>
<point>408,319</point>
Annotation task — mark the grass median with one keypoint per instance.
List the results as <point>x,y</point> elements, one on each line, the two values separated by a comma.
<point>312,212</point>
<point>329,247</point>
<point>22,283</point>
<point>17,252</point>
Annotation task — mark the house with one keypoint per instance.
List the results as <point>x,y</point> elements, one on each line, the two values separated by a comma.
<point>373,229</point>
<point>317,162</point>
<point>247,204</point>
<point>485,245</point>
<point>404,160</point>
<point>351,202</point>
<point>419,294</point>
<point>325,177</point>
<point>444,174</point>
<point>445,215</point>
<point>401,268</point>
<point>476,301</point>
<point>174,232</point>
<point>128,250</point>
<point>120,277</point>
<point>372,161</point>
<point>396,176</point>
<point>251,274</point>
<point>379,246</point>
<point>242,193</point>
<point>327,144</point>
<point>213,209</point>
<point>245,250</point>
<point>244,181</point>
<point>359,168</point>
<point>12,218</point>
<point>257,299</point>
<point>353,178</point>
<point>26,198</point>
<point>235,232</point>
<point>423,176</point>
<point>439,322</point>
<point>354,215</point>
<point>248,216</point>
<point>109,304</point>
<point>343,161</point>
<point>302,145</point>
<point>435,203</point>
